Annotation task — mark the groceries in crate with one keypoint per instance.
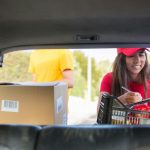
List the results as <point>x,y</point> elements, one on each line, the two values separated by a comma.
<point>135,113</point>
<point>143,108</point>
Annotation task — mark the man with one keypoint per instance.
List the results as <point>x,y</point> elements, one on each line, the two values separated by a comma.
<point>48,65</point>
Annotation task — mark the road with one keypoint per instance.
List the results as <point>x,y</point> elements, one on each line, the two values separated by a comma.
<point>81,111</point>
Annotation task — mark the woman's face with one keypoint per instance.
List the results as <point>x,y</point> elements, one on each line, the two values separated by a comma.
<point>136,62</point>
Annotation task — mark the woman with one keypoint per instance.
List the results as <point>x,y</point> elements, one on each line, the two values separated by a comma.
<point>130,70</point>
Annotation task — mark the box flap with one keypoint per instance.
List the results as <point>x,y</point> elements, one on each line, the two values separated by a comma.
<point>34,83</point>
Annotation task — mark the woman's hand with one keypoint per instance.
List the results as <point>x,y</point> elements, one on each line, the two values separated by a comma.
<point>130,97</point>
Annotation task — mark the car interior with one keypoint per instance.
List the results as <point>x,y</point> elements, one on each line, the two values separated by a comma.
<point>80,24</point>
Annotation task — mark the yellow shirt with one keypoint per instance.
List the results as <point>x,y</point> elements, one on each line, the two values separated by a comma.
<point>48,65</point>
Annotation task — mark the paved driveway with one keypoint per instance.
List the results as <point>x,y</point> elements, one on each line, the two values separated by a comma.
<point>81,111</point>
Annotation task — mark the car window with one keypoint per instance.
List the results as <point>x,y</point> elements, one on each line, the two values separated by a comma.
<point>89,67</point>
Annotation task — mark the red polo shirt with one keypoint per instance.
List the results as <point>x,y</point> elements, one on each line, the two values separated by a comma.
<point>107,82</point>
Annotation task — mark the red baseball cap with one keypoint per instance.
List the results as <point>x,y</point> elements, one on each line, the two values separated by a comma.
<point>129,51</point>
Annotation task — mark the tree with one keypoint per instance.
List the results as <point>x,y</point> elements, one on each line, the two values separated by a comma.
<point>15,67</point>
<point>80,71</point>
<point>81,59</point>
<point>98,71</point>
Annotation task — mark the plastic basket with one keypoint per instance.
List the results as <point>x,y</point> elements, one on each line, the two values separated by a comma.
<point>110,113</point>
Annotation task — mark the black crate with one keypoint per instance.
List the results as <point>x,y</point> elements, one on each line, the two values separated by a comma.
<point>112,111</point>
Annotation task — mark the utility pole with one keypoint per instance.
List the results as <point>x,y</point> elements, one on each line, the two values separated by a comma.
<point>89,69</point>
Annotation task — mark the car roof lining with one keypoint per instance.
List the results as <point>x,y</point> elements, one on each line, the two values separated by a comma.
<point>26,24</point>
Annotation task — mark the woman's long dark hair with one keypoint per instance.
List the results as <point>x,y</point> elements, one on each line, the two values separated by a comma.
<point>121,76</point>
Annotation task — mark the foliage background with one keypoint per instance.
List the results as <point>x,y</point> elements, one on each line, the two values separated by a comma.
<point>15,69</point>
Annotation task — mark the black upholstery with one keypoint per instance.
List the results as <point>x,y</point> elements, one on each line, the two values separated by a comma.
<point>18,137</point>
<point>106,137</point>
<point>90,137</point>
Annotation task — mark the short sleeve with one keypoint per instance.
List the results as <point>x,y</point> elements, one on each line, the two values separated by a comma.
<point>66,60</point>
<point>106,83</point>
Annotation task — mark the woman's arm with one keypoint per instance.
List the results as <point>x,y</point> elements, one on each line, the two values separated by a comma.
<point>130,97</point>
<point>127,98</point>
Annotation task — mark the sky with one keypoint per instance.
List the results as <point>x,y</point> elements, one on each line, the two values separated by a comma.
<point>97,53</point>
<point>100,54</point>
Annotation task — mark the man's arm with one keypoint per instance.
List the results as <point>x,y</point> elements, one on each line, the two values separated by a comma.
<point>68,77</point>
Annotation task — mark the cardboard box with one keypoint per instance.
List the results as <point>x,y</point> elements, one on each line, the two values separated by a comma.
<point>34,103</point>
